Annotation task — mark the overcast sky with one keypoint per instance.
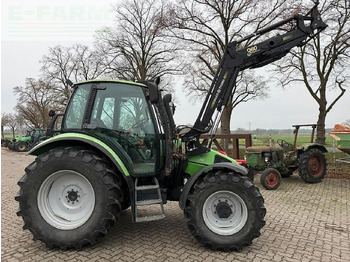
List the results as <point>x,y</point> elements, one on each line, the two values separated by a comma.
<point>29,28</point>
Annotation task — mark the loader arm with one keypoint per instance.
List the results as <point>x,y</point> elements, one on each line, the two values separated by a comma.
<point>236,59</point>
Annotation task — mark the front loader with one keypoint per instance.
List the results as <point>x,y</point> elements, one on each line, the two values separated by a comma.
<point>119,147</point>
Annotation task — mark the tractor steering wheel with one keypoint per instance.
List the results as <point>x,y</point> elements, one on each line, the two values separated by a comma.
<point>283,143</point>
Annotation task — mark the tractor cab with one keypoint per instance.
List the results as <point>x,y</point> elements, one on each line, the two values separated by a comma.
<point>118,114</point>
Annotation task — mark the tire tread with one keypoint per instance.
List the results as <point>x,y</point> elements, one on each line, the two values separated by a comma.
<point>113,187</point>
<point>208,181</point>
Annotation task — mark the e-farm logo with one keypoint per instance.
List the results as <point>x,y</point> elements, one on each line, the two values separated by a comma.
<point>55,20</point>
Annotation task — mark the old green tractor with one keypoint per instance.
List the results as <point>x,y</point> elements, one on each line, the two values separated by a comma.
<point>284,158</point>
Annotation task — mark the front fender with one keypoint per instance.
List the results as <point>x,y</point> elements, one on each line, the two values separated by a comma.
<point>224,165</point>
<point>73,139</point>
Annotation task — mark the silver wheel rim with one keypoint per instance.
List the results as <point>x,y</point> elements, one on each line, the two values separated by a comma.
<point>66,200</point>
<point>21,147</point>
<point>233,220</point>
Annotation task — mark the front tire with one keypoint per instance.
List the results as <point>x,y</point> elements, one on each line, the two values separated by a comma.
<point>225,211</point>
<point>69,197</point>
<point>270,179</point>
<point>312,166</point>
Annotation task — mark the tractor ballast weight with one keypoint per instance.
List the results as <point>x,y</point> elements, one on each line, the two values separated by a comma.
<point>119,147</point>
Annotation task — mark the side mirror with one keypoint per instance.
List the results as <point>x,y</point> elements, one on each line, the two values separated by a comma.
<point>153,92</point>
<point>52,113</point>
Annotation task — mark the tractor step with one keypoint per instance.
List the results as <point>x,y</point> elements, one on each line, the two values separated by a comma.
<point>155,198</point>
<point>150,218</point>
<point>149,202</point>
<point>146,187</point>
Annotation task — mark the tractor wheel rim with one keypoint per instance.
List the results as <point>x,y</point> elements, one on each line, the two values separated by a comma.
<point>225,213</point>
<point>21,147</point>
<point>315,166</point>
<point>271,179</point>
<point>66,200</point>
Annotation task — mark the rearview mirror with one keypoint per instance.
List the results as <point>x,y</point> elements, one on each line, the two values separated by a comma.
<point>153,92</point>
<point>52,113</point>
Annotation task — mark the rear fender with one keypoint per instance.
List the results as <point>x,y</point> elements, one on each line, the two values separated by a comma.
<point>224,165</point>
<point>74,139</point>
<point>304,147</point>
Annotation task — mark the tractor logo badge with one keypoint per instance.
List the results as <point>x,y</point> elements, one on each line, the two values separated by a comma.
<point>251,50</point>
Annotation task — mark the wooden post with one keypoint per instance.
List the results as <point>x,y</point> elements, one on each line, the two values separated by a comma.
<point>235,142</point>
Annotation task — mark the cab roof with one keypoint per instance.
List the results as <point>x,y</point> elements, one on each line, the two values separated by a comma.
<point>111,81</point>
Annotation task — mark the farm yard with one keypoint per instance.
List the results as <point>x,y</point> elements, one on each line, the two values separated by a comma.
<point>304,222</point>
<point>114,142</point>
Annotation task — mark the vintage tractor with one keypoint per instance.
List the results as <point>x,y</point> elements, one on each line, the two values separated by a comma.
<point>118,147</point>
<point>284,158</point>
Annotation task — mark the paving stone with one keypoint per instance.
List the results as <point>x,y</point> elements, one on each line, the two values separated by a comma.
<point>304,222</point>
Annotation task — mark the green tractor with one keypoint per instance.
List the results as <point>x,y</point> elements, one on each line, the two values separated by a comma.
<point>119,147</point>
<point>28,141</point>
<point>284,158</point>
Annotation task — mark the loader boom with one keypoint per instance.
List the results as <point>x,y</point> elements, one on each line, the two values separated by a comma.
<point>237,59</point>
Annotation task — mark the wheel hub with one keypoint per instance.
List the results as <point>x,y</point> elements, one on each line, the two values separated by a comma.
<point>271,179</point>
<point>223,210</point>
<point>72,196</point>
<point>315,166</point>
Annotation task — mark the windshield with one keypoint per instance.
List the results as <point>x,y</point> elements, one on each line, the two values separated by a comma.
<point>122,107</point>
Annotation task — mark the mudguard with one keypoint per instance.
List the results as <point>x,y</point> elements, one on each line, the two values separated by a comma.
<point>308,146</point>
<point>224,165</point>
<point>72,139</point>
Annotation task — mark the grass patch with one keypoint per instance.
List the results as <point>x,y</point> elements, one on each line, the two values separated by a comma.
<point>302,139</point>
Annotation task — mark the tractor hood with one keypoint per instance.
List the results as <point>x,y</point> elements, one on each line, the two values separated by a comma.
<point>259,149</point>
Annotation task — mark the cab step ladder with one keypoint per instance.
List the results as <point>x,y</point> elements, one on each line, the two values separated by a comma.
<point>153,201</point>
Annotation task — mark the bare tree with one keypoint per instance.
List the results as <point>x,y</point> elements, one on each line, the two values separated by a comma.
<point>347,122</point>
<point>322,64</point>
<point>76,63</point>
<point>4,122</point>
<point>57,67</point>
<point>12,121</point>
<point>137,45</point>
<point>34,102</point>
<point>206,27</point>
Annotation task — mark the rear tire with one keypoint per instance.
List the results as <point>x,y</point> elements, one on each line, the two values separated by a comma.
<point>225,211</point>
<point>69,197</point>
<point>312,166</point>
<point>270,179</point>
<point>21,146</point>
<point>11,145</point>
